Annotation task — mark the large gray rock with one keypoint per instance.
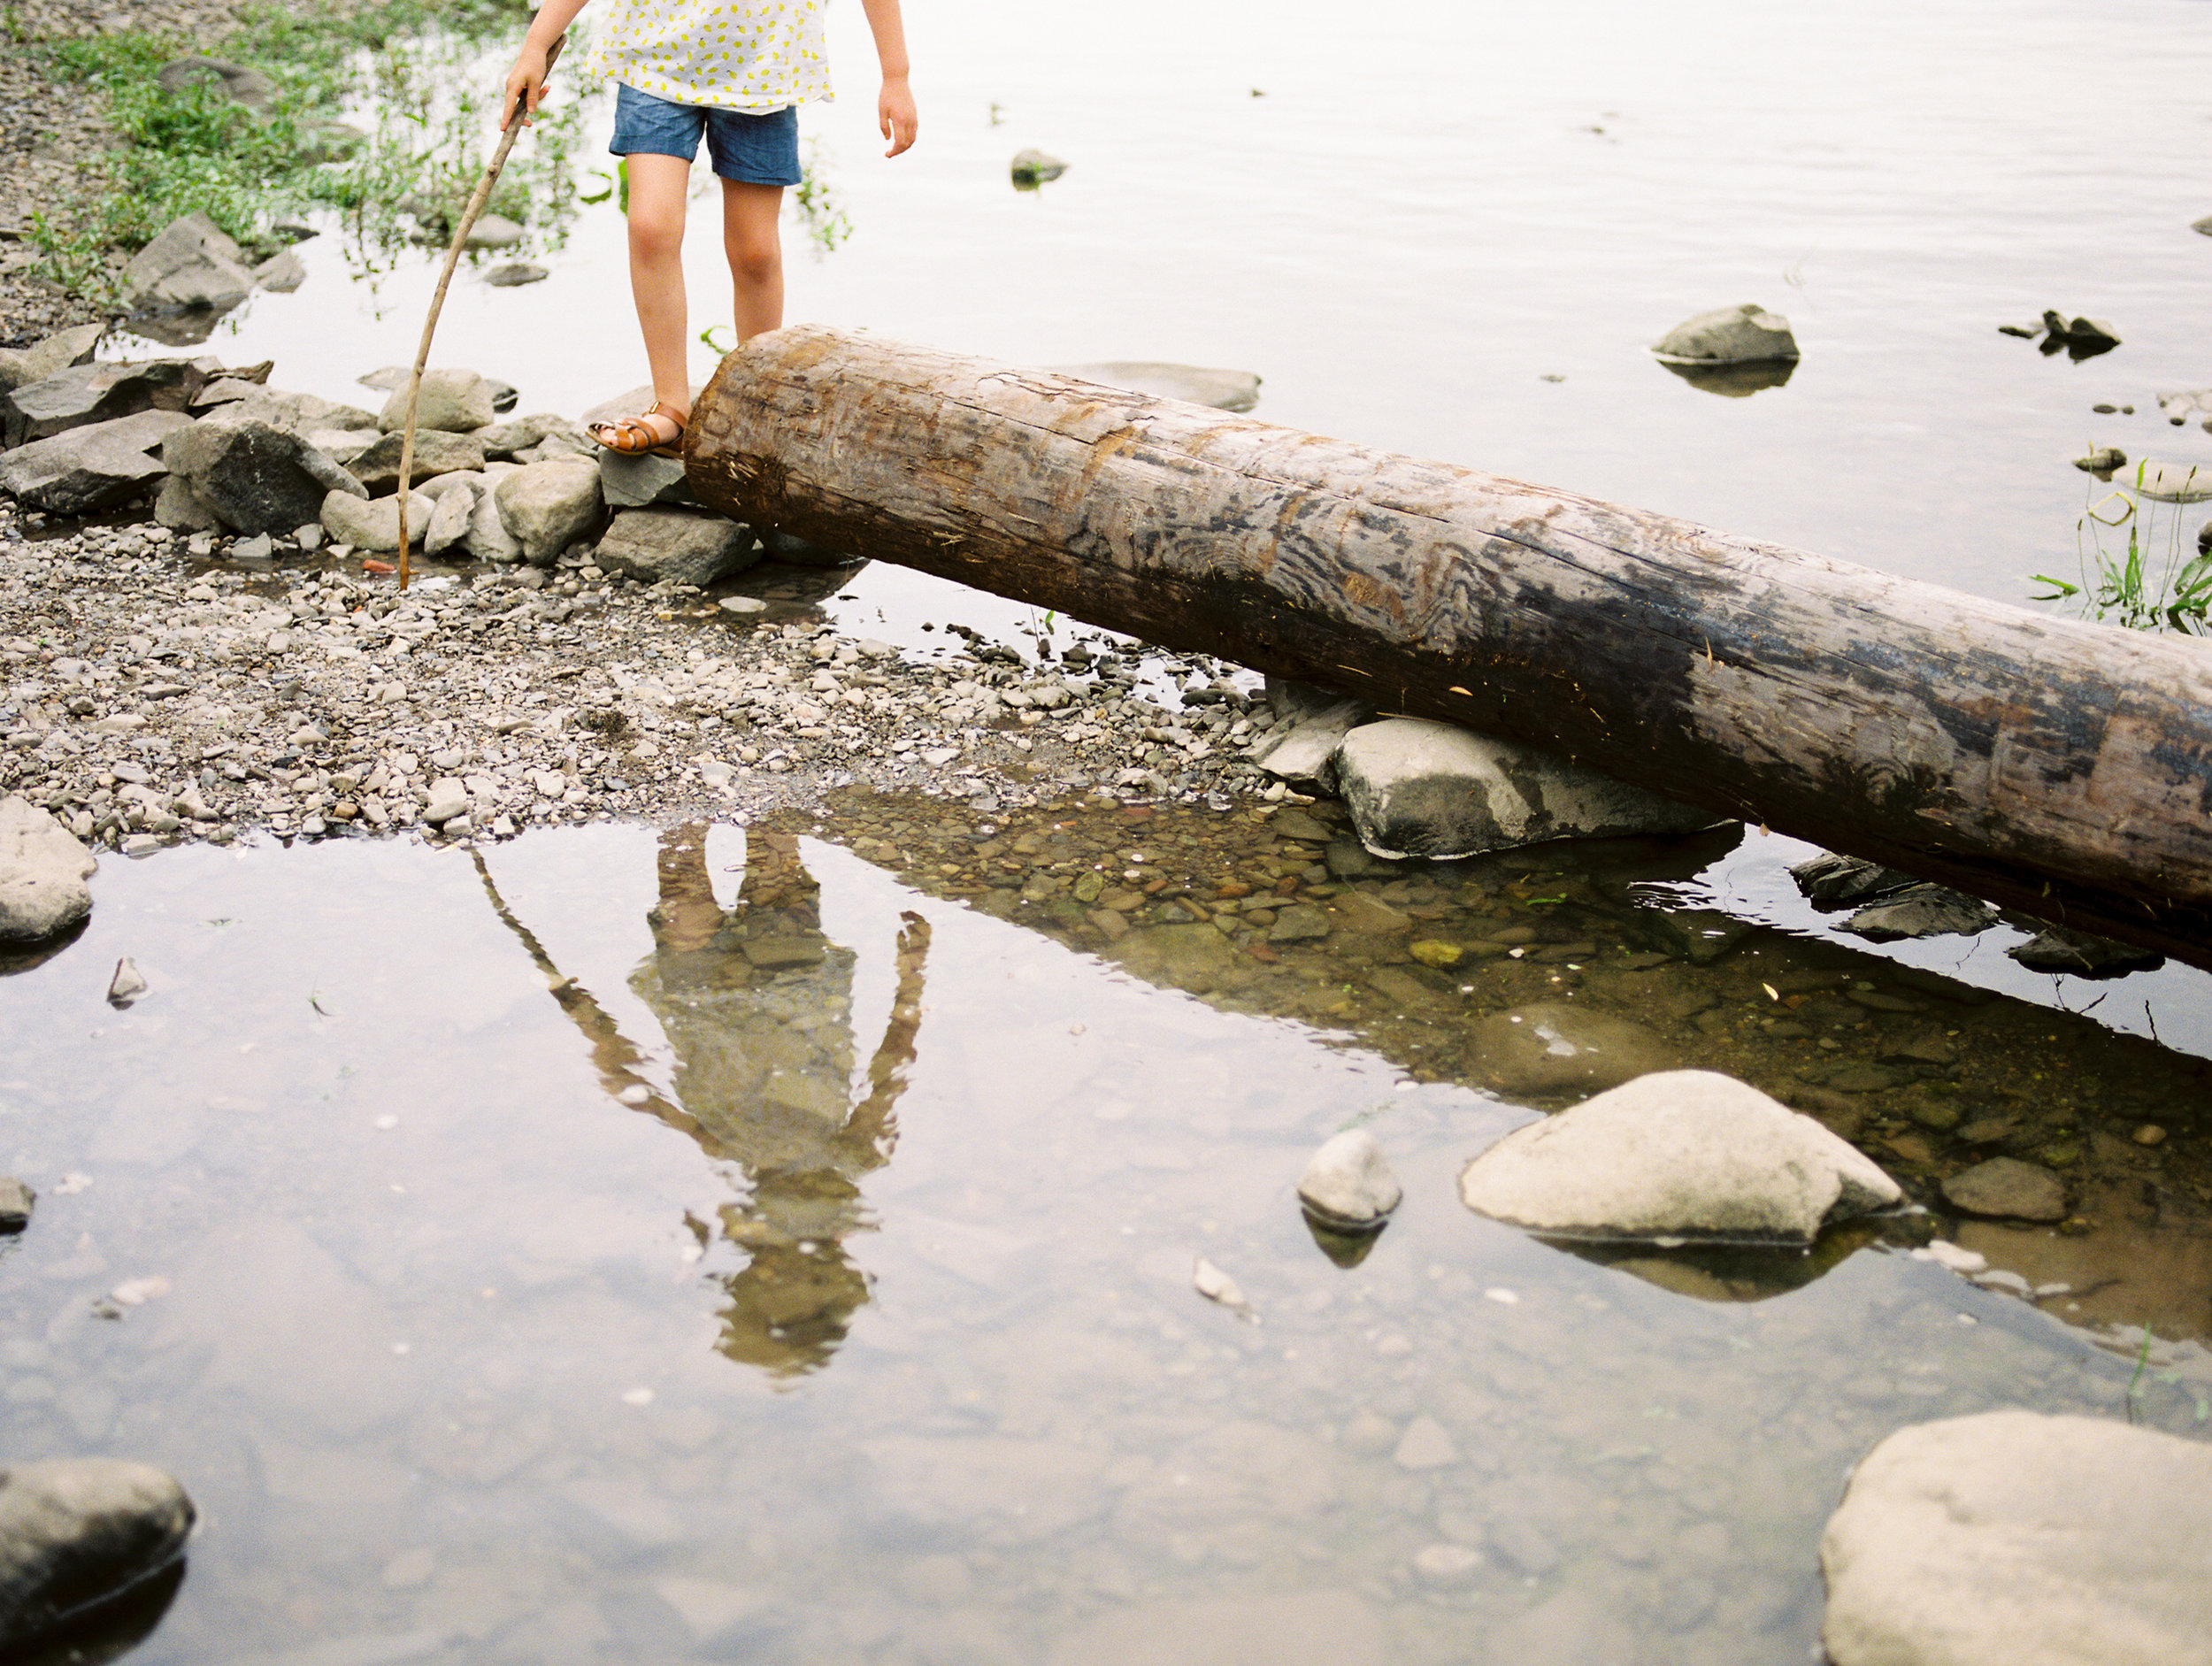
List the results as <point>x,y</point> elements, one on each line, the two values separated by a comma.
<point>234,81</point>
<point>1680,1155</point>
<point>2011,1539</point>
<point>1418,788</point>
<point>372,524</point>
<point>254,478</point>
<point>178,507</point>
<point>42,874</point>
<point>633,482</point>
<point>21,365</point>
<point>436,452</point>
<point>77,1533</point>
<point>1733,336</point>
<point>1302,752</point>
<point>1550,1049</point>
<point>1224,389</point>
<point>455,401</point>
<point>90,468</point>
<point>83,394</point>
<point>684,546</point>
<point>487,538</point>
<point>1347,1184</point>
<point>547,506</point>
<point>191,263</point>
<point>456,509</point>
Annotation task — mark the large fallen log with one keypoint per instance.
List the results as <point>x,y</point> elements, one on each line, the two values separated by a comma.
<point>2062,769</point>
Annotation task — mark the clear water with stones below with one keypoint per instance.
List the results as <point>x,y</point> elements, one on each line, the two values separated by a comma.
<point>652,1246</point>
<point>467,1356</point>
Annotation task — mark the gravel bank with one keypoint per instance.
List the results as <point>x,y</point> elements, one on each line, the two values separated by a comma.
<point>153,690</point>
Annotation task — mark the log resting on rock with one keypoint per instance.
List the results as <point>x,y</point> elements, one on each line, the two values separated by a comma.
<point>2062,769</point>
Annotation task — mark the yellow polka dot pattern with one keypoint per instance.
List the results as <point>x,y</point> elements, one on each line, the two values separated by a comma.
<point>756,54</point>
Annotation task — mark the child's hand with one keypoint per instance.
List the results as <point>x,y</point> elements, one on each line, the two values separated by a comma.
<point>895,114</point>
<point>525,84</point>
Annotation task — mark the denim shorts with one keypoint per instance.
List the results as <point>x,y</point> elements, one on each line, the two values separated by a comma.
<point>756,147</point>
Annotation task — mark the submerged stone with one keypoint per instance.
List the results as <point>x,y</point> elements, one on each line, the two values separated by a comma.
<point>1923,911</point>
<point>2011,1539</point>
<point>2009,1189</point>
<point>1689,1154</point>
<point>1555,1048</point>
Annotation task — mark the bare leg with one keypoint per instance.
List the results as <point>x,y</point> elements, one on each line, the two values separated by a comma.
<point>657,188</point>
<point>750,213</point>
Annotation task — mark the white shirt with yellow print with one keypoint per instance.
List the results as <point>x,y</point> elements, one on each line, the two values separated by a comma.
<point>756,54</point>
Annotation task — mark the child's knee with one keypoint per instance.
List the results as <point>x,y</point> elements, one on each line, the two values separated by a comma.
<point>655,235</point>
<point>755,259</point>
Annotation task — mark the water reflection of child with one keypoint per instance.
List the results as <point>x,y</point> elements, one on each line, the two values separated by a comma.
<point>735,70</point>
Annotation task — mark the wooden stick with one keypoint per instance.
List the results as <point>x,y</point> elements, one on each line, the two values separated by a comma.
<point>469,216</point>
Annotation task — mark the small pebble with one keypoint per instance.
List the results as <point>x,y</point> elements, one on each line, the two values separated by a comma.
<point>2150,1134</point>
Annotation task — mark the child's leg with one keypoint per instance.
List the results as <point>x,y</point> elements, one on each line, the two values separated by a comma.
<point>657,188</point>
<point>749,234</point>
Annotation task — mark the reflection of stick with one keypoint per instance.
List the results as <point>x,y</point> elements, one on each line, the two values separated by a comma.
<point>437,302</point>
<point>617,1059</point>
<point>873,1119</point>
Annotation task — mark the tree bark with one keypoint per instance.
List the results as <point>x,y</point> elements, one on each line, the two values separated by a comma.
<point>2062,769</point>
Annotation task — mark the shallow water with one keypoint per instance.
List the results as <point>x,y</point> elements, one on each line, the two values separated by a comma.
<point>1420,221</point>
<point>808,1276</point>
<point>819,1288</point>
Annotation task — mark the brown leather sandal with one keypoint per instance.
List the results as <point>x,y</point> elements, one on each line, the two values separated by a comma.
<point>636,436</point>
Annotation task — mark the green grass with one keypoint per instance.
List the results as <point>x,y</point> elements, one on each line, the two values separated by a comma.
<point>434,70</point>
<point>2155,580</point>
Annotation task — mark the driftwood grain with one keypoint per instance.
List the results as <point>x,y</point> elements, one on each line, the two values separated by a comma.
<point>2062,769</point>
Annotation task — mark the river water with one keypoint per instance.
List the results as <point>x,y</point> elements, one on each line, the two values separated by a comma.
<point>548,1258</point>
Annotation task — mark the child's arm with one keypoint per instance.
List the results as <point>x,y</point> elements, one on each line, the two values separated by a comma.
<point>526,82</point>
<point>894,106</point>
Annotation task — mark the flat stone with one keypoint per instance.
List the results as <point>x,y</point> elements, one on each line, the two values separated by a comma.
<point>547,506</point>
<point>2176,482</point>
<point>90,468</point>
<point>256,477</point>
<point>1923,911</point>
<point>453,401</point>
<point>16,1201</point>
<point>236,81</point>
<point>2008,1189</point>
<point>1687,1155</point>
<point>436,452</point>
<point>77,1533</point>
<point>1834,882</point>
<point>515,274</point>
<point>1555,1048</point>
<point>1197,385</point>
<point>1349,1183</point>
<point>2013,1538</point>
<point>191,263</point>
<point>1302,752</point>
<point>1733,335</point>
<point>1033,167</point>
<point>1299,923</point>
<point>519,434</point>
<point>632,482</point>
<point>21,365</point>
<point>1418,788</point>
<point>83,394</point>
<point>2056,950</point>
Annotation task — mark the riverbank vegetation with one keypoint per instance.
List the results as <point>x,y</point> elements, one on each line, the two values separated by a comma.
<point>385,113</point>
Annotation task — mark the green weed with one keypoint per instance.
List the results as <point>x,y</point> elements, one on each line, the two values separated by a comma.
<point>2157,580</point>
